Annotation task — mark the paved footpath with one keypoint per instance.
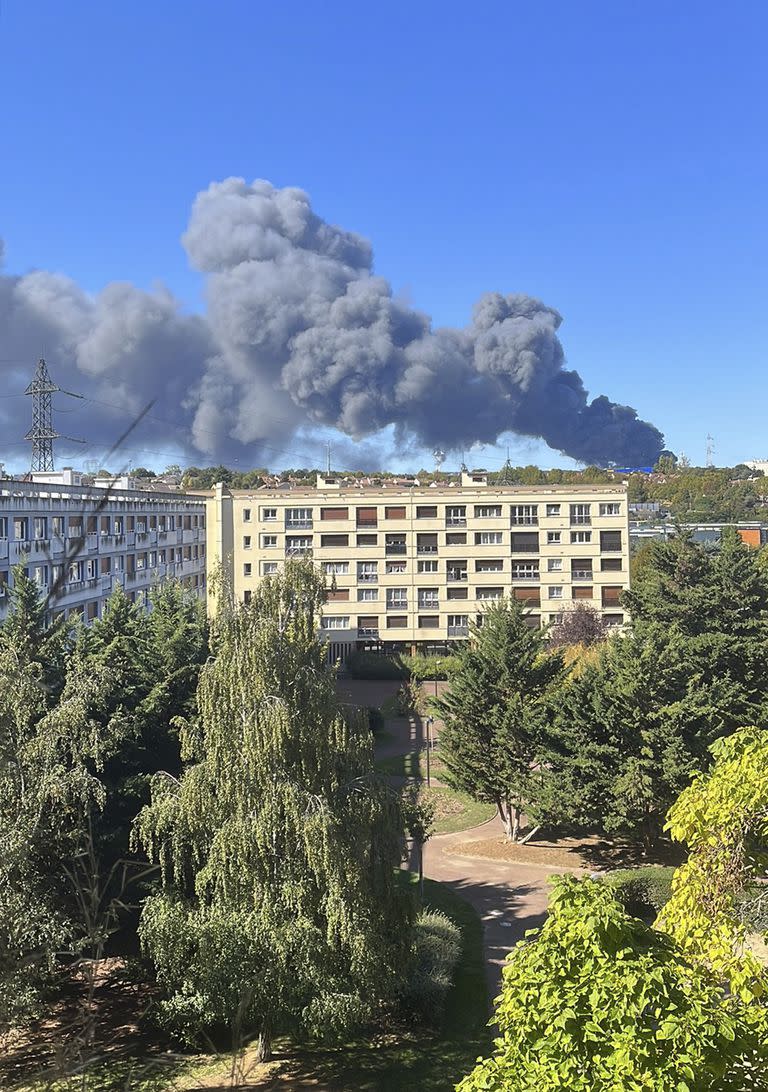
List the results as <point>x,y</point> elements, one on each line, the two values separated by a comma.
<point>509,897</point>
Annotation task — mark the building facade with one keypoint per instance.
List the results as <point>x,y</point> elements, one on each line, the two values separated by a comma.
<point>77,542</point>
<point>411,566</point>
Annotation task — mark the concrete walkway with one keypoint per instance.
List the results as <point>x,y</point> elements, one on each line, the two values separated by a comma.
<point>509,898</point>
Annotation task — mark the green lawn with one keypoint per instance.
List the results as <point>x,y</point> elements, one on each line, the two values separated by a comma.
<point>454,811</point>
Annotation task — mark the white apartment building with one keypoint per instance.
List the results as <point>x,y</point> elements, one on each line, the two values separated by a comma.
<point>410,567</point>
<point>77,542</point>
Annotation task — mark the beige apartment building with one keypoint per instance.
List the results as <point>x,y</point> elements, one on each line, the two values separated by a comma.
<point>411,566</point>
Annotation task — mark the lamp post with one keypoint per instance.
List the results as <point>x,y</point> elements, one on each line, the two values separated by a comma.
<point>429,748</point>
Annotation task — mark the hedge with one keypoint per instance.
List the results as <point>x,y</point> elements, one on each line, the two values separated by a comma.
<point>642,891</point>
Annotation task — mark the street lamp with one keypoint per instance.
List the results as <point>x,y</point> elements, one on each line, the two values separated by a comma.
<point>428,722</point>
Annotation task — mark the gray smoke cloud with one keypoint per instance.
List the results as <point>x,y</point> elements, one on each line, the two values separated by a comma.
<point>300,331</point>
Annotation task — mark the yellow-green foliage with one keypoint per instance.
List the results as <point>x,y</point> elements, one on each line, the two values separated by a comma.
<point>723,818</point>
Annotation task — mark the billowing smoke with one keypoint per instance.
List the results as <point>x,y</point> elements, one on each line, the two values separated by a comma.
<point>300,331</point>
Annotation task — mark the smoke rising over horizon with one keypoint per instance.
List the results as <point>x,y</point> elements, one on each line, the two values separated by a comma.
<point>300,332</point>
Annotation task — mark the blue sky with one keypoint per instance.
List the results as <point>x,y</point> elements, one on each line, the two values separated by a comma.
<point>608,158</point>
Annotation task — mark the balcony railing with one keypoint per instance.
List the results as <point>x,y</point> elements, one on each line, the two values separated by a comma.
<point>525,521</point>
<point>397,604</point>
<point>426,549</point>
<point>581,574</point>
<point>367,632</point>
<point>395,548</point>
<point>458,631</point>
<point>298,524</point>
<point>455,521</point>
<point>428,604</point>
<point>367,578</point>
<point>525,576</point>
<point>456,575</point>
<point>297,551</point>
<point>367,522</point>
<point>581,521</point>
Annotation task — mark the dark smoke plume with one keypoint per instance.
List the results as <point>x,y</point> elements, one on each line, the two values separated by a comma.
<point>299,330</point>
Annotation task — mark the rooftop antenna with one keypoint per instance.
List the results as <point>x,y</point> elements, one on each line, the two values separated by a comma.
<point>42,434</point>
<point>328,451</point>
<point>710,450</point>
<point>505,477</point>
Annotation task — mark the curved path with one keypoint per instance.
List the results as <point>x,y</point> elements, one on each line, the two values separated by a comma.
<point>509,897</point>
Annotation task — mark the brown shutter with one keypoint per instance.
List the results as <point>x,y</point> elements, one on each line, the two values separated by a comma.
<point>366,517</point>
<point>611,595</point>
<point>426,511</point>
<point>396,512</point>
<point>526,593</point>
<point>581,592</point>
<point>368,622</point>
<point>397,621</point>
<point>334,513</point>
<point>334,540</point>
<point>340,595</point>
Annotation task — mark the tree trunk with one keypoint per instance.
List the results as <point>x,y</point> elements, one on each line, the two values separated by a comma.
<point>421,873</point>
<point>516,823</point>
<point>264,1043</point>
<point>530,834</point>
<point>505,814</point>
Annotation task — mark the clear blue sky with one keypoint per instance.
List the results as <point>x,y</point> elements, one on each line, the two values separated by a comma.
<point>609,158</point>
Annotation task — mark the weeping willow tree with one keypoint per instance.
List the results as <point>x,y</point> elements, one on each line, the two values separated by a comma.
<point>278,909</point>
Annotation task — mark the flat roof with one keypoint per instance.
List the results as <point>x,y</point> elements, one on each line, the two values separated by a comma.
<point>423,492</point>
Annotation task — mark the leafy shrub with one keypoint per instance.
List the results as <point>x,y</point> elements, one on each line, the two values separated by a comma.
<point>435,952</point>
<point>642,891</point>
<point>375,665</point>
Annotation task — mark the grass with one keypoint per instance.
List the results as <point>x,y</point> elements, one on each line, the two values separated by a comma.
<point>454,811</point>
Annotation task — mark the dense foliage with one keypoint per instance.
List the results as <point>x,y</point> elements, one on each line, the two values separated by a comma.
<point>278,845</point>
<point>494,711</point>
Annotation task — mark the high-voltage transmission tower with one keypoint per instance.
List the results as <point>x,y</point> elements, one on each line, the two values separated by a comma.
<point>42,434</point>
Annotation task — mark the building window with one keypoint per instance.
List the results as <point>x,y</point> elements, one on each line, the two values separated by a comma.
<point>298,544</point>
<point>525,570</point>
<point>488,538</point>
<point>456,571</point>
<point>613,619</point>
<point>610,540</point>
<point>246,542</point>
<point>395,567</point>
<point>426,511</point>
<point>268,568</point>
<point>338,595</point>
<point>367,595</point>
<point>336,568</point>
<point>458,593</point>
<point>57,526</point>
<point>487,511</point>
<point>20,529</point>
<point>581,514</point>
<point>334,541</point>
<point>553,538</point>
<point>489,565</point>
<point>554,564</point>
<point>581,568</point>
<point>489,593</point>
<point>429,621</point>
<point>367,540</point>
<point>611,508</point>
<point>367,517</point>
<point>610,564</point>
<point>368,626</point>
<point>247,596</point>
<point>555,591</point>
<point>525,542</point>
<point>427,566</point>
<point>269,542</point>
<point>246,515</point>
<point>553,510</point>
<point>610,596</point>
<point>397,621</point>
<point>582,592</point>
<point>458,625</point>
<point>269,515</point>
<point>247,567</point>
<point>456,515</point>
<point>397,598</point>
<point>334,513</point>
<point>525,514</point>
<point>41,527</point>
<point>335,621</point>
<point>367,572</point>
<point>456,538</point>
<point>298,517</point>
<point>4,527</point>
<point>396,511</point>
<point>394,544</point>
<point>428,598</point>
<point>581,536</point>
<point>426,543</point>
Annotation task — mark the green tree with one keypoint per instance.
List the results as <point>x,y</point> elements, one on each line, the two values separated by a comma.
<point>27,629</point>
<point>493,712</point>
<point>625,734</point>
<point>597,1001</point>
<point>278,845</point>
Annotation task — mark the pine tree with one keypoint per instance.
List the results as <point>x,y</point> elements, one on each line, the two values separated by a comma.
<point>493,712</point>
<point>27,628</point>
<point>278,846</point>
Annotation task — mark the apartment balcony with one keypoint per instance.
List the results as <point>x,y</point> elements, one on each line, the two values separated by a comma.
<point>429,604</point>
<point>455,521</point>
<point>458,631</point>
<point>524,521</point>
<point>368,634</point>
<point>298,525</point>
<point>423,550</point>
<point>367,523</point>
<point>525,576</point>
<point>297,551</point>
<point>582,574</point>
<point>395,548</point>
<point>367,578</point>
<point>397,604</point>
<point>581,521</point>
<point>456,577</point>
